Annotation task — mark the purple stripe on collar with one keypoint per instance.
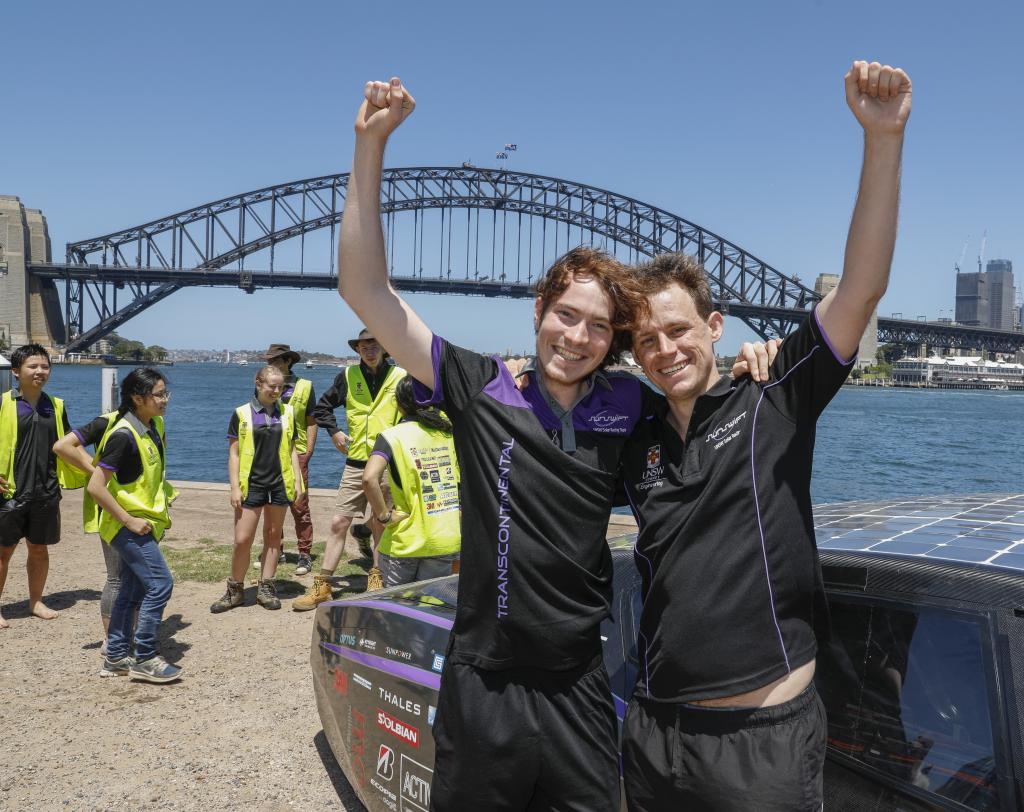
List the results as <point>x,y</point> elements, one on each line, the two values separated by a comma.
<point>828,342</point>
<point>419,676</point>
<point>398,609</point>
<point>503,388</point>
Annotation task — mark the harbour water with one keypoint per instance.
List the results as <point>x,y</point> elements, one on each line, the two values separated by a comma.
<point>872,442</point>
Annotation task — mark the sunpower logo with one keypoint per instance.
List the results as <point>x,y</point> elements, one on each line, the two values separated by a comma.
<point>610,421</point>
<point>398,728</point>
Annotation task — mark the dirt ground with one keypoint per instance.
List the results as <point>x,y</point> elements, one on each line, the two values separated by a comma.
<point>239,731</point>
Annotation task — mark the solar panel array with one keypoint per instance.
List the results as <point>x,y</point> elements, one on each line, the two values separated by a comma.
<point>985,530</point>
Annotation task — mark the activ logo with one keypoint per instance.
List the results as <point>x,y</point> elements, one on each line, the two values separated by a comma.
<point>386,762</point>
<point>398,728</point>
<point>415,784</point>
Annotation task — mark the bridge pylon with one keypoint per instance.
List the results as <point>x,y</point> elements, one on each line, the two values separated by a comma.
<point>30,309</point>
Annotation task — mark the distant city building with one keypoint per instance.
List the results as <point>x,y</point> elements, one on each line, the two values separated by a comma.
<point>868,351</point>
<point>953,370</point>
<point>986,298</point>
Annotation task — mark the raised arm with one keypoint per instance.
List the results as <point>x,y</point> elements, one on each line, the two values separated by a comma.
<point>879,97</point>
<point>362,263</point>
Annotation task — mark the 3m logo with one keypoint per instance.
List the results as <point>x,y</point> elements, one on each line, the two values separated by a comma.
<point>398,728</point>
<point>415,789</point>
<point>653,456</point>
<point>386,762</point>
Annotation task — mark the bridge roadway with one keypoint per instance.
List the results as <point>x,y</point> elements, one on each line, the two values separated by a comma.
<point>894,331</point>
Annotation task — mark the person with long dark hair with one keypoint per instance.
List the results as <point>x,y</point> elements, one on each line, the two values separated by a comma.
<point>421,537</point>
<point>265,476</point>
<point>129,484</point>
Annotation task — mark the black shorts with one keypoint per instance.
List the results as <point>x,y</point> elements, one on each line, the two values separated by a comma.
<point>714,759</point>
<point>37,520</point>
<point>525,740</point>
<point>258,496</point>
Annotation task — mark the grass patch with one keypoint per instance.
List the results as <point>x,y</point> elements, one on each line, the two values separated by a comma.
<point>208,562</point>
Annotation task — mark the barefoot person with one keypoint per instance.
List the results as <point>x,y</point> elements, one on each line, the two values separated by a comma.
<point>130,486</point>
<point>725,715</point>
<point>525,716</point>
<point>31,475</point>
<point>264,471</point>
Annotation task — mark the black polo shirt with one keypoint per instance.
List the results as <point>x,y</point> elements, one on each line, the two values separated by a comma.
<point>536,491</point>
<point>35,464</point>
<point>121,453</point>
<point>266,435</point>
<point>726,551</point>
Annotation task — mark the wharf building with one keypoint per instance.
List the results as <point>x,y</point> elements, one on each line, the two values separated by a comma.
<point>868,351</point>
<point>986,298</point>
<point>958,372</point>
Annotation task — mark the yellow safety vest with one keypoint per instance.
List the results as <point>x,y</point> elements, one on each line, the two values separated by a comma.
<point>247,449</point>
<point>90,510</point>
<point>149,497</point>
<point>367,417</point>
<point>299,401</point>
<point>68,476</point>
<point>429,492</point>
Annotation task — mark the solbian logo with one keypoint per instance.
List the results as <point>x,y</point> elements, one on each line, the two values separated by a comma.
<point>398,728</point>
<point>386,762</point>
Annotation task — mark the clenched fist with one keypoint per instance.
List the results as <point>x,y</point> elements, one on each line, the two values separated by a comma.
<point>879,96</point>
<point>387,104</point>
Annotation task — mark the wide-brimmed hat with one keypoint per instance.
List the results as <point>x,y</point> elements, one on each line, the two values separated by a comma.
<point>281,351</point>
<point>363,335</point>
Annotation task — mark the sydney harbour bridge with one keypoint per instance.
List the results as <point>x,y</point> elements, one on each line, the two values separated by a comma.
<point>449,230</point>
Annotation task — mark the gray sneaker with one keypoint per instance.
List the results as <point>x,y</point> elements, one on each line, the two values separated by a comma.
<point>117,668</point>
<point>304,565</point>
<point>155,669</point>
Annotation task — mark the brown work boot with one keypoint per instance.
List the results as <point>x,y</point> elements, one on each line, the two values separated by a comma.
<point>319,592</point>
<point>374,579</point>
<point>266,595</point>
<point>235,596</point>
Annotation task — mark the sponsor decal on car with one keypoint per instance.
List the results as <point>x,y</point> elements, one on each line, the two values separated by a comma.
<point>415,785</point>
<point>347,639</point>
<point>341,682</point>
<point>398,728</point>
<point>362,681</point>
<point>431,713</point>
<point>386,762</point>
<point>358,743</point>
<point>400,702</point>
<point>397,652</point>
<point>368,644</point>
<point>438,664</point>
<point>388,798</point>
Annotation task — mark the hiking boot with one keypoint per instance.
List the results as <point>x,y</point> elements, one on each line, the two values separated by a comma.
<point>304,565</point>
<point>116,668</point>
<point>374,579</point>
<point>363,534</point>
<point>234,596</point>
<point>266,595</point>
<point>319,592</point>
<point>155,669</point>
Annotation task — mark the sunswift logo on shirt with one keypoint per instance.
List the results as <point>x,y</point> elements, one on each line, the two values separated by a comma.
<point>725,432</point>
<point>610,422</point>
<point>504,524</point>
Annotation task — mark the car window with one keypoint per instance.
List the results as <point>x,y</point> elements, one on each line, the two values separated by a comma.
<point>908,694</point>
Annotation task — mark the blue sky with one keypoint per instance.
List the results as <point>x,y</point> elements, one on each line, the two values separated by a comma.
<point>730,114</point>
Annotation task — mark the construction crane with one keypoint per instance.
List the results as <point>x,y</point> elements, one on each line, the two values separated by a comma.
<point>981,254</point>
<point>963,253</point>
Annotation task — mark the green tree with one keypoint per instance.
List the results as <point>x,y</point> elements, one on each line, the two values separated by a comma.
<point>156,353</point>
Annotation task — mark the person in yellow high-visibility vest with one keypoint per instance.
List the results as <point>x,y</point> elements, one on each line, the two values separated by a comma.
<point>31,475</point>
<point>301,396</point>
<point>367,390</point>
<point>421,537</point>
<point>264,472</point>
<point>129,484</point>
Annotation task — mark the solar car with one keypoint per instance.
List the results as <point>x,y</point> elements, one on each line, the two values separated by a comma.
<point>923,674</point>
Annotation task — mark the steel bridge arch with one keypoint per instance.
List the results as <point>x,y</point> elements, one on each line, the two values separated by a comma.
<point>196,243</point>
